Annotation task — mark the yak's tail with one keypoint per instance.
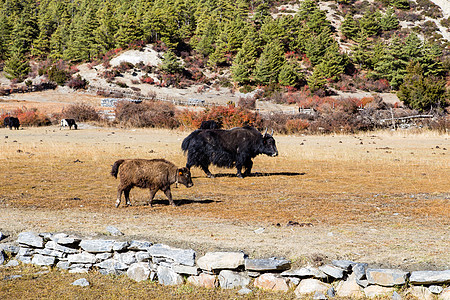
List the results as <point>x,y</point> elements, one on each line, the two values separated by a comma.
<point>188,139</point>
<point>115,167</point>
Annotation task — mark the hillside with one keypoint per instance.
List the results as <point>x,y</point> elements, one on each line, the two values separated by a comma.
<point>282,54</point>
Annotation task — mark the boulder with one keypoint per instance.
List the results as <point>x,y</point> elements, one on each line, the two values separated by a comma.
<point>97,246</point>
<point>343,264</point>
<point>66,240</point>
<point>271,282</point>
<point>386,277</point>
<point>9,248</point>
<point>182,269</point>
<point>181,256</point>
<point>120,246</point>
<point>139,271</point>
<point>430,277</point>
<point>373,291</point>
<point>349,288</point>
<point>311,286</point>
<point>359,270</point>
<point>420,292</point>
<point>230,280</point>
<point>30,239</point>
<point>204,280</point>
<point>103,256</point>
<point>49,252</point>
<point>167,276</point>
<point>436,289</point>
<point>127,258</point>
<point>267,265</point>
<point>221,260</point>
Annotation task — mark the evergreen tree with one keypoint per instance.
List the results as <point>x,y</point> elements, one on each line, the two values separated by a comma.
<point>389,20</point>
<point>288,75</point>
<point>349,27</point>
<point>269,64</point>
<point>317,80</point>
<point>370,23</point>
<point>104,33</point>
<point>245,61</point>
<point>333,63</point>
<point>420,92</point>
<point>317,45</point>
<point>361,51</point>
<point>17,67</point>
<point>170,63</point>
<point>129,29</point>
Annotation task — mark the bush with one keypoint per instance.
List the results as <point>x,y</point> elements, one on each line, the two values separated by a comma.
<point>247,102</point>
<point>146,114</point>
<point>81,112</point>
<point>296,125</point>
<point>30,117</point>
<point>77,83</point>
<point>58,75</point>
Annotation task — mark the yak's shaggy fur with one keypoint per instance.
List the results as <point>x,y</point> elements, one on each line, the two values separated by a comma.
<point>227,148</point>
<point>154,174</point>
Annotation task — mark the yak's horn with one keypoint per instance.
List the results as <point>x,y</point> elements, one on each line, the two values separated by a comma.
<point>272,132</point>
<point>265,131</point>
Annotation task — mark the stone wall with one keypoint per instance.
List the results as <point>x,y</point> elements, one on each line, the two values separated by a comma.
<point>143,260</point>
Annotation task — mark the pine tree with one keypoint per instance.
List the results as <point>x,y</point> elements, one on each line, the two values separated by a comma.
<point>17,67</point>
<point>370,23</point>
<point>389,20</point>
<point>245,61</point>
<point>288,75</point>
<point>269,64</point>
<point>104,33</point>
<point>349,27</point>
<point>129,29</point>
<point>170,63</point>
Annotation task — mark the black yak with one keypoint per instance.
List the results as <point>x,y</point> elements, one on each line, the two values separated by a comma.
<point>154,174</point>
<point>227,148</point>
<point>69,123</point>
<point>11,122</point>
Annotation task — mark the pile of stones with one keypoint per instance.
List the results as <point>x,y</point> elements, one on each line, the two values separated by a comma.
<point>143,260</point>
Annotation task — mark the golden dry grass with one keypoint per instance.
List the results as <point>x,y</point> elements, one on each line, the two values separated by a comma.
<point>381,198</point>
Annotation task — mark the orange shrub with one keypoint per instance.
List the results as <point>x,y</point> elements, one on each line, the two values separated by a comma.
<point>31,117</point>
<point>296,125</point>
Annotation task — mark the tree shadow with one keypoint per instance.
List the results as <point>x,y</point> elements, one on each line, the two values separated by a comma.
<point>261,174</point>
<point>180,202</point>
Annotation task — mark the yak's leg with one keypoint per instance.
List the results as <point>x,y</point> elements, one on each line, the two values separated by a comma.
<point>169,196</point>
<point>248,167</point>
<point>206,170</point>
<point>152,195</point>
<point>119,196</point>
<point>126,193</point>
<point>239,163</point>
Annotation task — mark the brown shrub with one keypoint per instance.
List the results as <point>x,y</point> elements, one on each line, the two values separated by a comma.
<point>81,112</point>
<point>146,114</point>
<point>247,102</point>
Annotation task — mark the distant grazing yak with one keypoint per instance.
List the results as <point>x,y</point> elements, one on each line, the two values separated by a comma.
<point>68,123</point>
<point>211,124</point>
<point>11,122</point>
<point>227,148</point>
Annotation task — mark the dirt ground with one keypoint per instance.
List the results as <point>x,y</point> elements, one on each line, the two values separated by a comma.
<point>381,198</point>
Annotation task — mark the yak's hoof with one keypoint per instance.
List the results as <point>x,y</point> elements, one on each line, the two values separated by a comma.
<point>240,176</point>
<point>210,175</point>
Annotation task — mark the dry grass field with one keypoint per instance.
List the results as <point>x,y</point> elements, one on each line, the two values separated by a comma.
<point>381,198</point>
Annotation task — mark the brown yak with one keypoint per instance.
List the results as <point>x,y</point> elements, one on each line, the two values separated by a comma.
<point>154,174</point>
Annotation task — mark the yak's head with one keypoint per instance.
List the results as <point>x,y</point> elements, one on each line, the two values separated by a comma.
<point>269,147</point>
<point>184,177</point>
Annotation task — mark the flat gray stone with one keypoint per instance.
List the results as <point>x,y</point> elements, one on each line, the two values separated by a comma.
<point>310,286</point>
<point>182,269</point>
<point>66,240</point>
<point>359,270</point>
<point>81,282</point>
<point>127,258</point>
<point>343,264</point>
<point>139,245</point>
<point>245,291</point>
<point>143,256</point>
<point>436,289</point>
<point>96,246</point>
<point>25,252</point>
<point>120,246</point>
<point>181,256</point>
<point>103,256</point>
<point>139,271</point>
<point>305,272</point>
<point>58,247</point>
<point>49,252</point>
<point>9,248</point>
<point>430,277</point>
<point>2,236</point>
<point>30,239</point>
<point>113,230</point>
<point>83,258</point>
<point>24,259</point>
<point>267,264</point>
<point>63,265</point>
<point>42,260</point>
<point>230,280</point>
<point>112,264</point>
<point>167,276</point>
<point>386,277</point>
<point>332,271</point>
<point>221,260</point>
